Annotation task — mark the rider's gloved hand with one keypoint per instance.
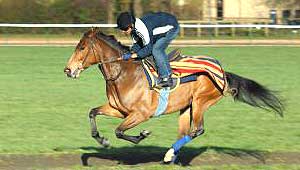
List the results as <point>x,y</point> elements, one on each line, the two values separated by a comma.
<point>126,56</point>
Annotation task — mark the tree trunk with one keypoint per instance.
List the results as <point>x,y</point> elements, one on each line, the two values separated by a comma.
<point>110,11</point>
<point>137,8</point>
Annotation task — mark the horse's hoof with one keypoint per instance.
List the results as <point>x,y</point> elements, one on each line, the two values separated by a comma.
<point>170,156</point>
<point>105,143</point>
<point>145,133</point>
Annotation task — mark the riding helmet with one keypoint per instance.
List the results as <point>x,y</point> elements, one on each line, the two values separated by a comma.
<point>124,20</point>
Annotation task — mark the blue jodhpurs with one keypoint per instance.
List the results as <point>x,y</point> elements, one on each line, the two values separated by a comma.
<point>159,54</point>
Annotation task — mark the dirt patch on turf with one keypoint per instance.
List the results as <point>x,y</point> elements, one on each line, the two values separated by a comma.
<point>147,155</point>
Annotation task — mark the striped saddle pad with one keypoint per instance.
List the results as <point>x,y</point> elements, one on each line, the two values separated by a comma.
<point>198,65</point>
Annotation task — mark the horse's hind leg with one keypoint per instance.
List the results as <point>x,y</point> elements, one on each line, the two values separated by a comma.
<point>202,100</point>
<point>102,110</point>
<point>184,122</point>
<point>184,128</point>
<point>198,109</point>
<point>131,121</point>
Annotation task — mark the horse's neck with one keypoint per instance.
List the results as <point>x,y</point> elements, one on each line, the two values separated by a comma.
<point>130,73</point>
<point>119,90</point>
<point>129,70</point>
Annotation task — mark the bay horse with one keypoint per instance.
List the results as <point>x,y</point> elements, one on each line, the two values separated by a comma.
<point>130,98</point>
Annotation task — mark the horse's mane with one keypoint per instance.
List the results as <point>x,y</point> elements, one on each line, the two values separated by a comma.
<point>112,41</point>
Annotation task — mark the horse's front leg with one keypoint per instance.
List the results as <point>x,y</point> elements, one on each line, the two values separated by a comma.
<point>131,121</point>
<point>102,110</point>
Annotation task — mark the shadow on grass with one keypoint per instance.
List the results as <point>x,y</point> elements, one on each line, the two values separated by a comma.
<point>151,154</point>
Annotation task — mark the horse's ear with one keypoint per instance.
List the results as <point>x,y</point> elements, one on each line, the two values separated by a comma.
<point>95,30</point>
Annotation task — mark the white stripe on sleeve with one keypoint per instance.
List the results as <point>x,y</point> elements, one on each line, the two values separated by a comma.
<point>142,31</point>
<point>162,30</point>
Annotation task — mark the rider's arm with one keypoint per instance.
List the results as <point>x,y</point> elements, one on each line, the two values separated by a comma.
<point>145,51</point>
<point>135,47</point>
<point>148,44</point>
<point>146,36</point>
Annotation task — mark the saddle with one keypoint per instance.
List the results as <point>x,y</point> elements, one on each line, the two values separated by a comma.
<point>186,69</point>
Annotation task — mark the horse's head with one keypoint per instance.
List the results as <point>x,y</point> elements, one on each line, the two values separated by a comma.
<point>95,47</point>
<point>83,56</point>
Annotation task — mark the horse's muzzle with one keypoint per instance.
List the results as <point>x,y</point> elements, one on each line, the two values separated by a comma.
<point>68,72</point>
<point>73,74</point>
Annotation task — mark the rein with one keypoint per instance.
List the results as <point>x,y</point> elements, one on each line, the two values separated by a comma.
<point>101,62</point>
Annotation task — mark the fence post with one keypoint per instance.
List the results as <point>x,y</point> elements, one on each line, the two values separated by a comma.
<point>266,30</point>
<point>232,30</point>
<point>181,32</point>
<point>250,31</point>
<point>199,31</point>
<point>5,36</point>
<point>216,30</point>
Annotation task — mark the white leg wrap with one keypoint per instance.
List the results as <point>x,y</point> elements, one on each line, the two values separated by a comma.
<point>169,155</point>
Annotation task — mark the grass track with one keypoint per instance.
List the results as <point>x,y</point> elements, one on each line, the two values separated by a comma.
<point>41,111</point>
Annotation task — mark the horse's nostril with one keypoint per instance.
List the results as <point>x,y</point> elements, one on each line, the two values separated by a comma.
<point>67,70</point>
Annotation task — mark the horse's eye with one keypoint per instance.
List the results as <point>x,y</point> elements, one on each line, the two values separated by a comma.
<point>81,48</point>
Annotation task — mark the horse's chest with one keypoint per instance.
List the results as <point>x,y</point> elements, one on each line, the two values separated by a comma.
<point>114,99</point>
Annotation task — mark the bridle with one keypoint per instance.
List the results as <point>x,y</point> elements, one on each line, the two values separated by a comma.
<point>91,44</point>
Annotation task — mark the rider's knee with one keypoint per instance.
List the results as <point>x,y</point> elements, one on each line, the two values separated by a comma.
<point>155,52</point>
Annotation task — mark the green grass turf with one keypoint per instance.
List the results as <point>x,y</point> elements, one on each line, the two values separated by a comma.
<point>175,167</point>
<point>42,111</point>
<point>224,33</point>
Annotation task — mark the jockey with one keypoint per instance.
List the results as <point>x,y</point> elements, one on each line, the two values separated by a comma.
<point>151,34</point>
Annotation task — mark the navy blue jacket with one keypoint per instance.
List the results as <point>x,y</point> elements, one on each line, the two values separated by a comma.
<point>148,29</point>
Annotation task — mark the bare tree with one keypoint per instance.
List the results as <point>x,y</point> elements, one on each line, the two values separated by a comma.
<point>137,8</point>
<point>110,11</point>
<point>125,5</point>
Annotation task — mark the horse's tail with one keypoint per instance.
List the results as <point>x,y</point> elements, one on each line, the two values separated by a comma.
<point>252,93</point>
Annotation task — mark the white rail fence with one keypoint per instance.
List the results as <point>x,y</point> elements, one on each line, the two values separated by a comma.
<point>181,25</point>
<point>214,28</point>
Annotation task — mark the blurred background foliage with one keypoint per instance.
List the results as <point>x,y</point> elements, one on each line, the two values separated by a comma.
<point>83,11</point>
<point>91,11</point>
<point>106,11</point>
